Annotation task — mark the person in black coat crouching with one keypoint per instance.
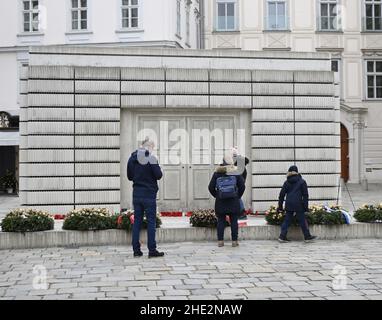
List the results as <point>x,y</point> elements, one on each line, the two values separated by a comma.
<point>227,203</point>
<point>297,201</point>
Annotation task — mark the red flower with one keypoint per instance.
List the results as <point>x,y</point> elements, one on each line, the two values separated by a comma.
<point>119,221</point>
<point>132,219</point>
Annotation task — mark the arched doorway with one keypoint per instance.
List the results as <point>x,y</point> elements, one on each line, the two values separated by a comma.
<point>344,153</point>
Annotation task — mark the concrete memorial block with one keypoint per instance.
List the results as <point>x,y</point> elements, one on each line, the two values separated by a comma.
<point>273,154</point>
<point>121,78</point>
<point>186,88</point>
<point>93,169</point>
<point>316,127</point>
<point>50,142</point>
<point>97,155</point>
<point>50,100</point>
<point>273,89</point>
<point>314,76</point>
<point>317,89</point>
<point>50,72</point>
<point>277,181</point>
<point>103,73</point>
<point>48,183</point>
<point>272,76</point>
<point>99,100</point>
<point>50,86</point>
<point>316,141</point>
<point>97,128</point>
<point>139,87</point>
<point>315,115</point>
<point>47,169</point>
<point>143,74</point>
<point>272,128</point>
<point>98,197</point>
<point>94,183</point>
<point>47,156</point>
<point>230,88</point>
<point>140,101</point>
<point>98,114</point>
<point>230,75</point>
<point>49,114</point>
<point>23,128</point>
<point>97,142</point>
<point>196,75</point>
<point>272,141</point>
<point>272,102</point>
<point>83,86</point>
<point>315,154</point>
<point>46,197</point>
<point>275,115</point>
<point>186,101</point>
<point>50,128</point>
<point>315,102</point>
<point>230,102</point>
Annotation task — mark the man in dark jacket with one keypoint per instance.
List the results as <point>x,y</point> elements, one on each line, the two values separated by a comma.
<point>297,199</point>
<point>229,206</point>
<point>143,169</point>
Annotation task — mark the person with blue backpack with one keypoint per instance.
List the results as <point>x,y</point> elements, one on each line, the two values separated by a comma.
<point>227,187</point>
<point>295,189</point>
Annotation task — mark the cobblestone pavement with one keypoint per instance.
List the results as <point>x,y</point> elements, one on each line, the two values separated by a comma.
<point>254,270</point>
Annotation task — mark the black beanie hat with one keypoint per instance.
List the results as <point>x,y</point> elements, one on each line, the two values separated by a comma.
<point>293,168</point>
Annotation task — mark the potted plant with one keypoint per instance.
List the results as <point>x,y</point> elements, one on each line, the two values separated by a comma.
<point>9,182</point>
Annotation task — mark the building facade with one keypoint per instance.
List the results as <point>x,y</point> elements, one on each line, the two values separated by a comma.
<point>351,30</point>
<point>26,23</point>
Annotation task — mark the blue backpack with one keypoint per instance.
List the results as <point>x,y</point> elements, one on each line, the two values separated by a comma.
<point>226,187</point>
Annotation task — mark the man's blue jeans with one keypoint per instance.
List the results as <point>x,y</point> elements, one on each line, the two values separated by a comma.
<point>301,220</point>
<point>149,207</point>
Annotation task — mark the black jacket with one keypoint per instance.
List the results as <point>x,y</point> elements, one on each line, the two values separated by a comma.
<point>144,176</point>
<point>296,191</point>
<point>226,206</point>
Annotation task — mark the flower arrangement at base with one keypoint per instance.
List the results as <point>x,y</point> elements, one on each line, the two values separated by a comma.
<point>125,220</point>
<point>27,220</point>
<point>88,219</point>
<point>205,218</point>
<point>369,213</point>
<point>318,214</point>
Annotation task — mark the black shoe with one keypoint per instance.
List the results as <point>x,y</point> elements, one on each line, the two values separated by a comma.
<point>283,239</point>
<point>138,254</point>
<point>310,239</point>
<point>156,254</point>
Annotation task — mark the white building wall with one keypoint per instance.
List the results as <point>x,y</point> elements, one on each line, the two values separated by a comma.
<point>352,46</point>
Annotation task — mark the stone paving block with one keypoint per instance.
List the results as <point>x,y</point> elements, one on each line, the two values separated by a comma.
<point>203,297</point>
<point>174,298</point>
<point>177,293</point>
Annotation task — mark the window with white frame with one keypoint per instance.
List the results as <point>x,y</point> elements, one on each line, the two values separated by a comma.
<point>30,16</point>
<point>373,15</point>
<point>130,14</point>
<point>226,15</point>
<point>79,14</point>
<point>328,20</point>
<point>277,18</point>
<point>188,23</point>
<point>374,79</point>
<point>178,18</point>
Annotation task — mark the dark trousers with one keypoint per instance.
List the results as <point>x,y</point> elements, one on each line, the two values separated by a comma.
<point>222,224</point>
<point>149,207</point>
<point>301,220</point>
